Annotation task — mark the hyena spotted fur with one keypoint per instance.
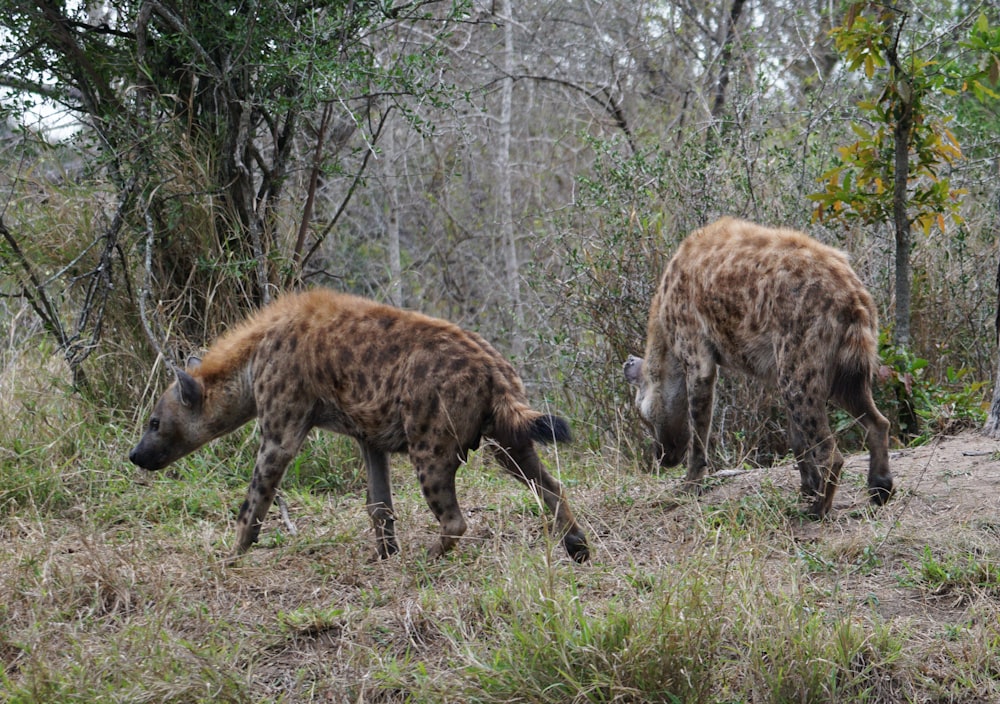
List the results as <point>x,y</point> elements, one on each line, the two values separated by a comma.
<point>395,381</point>
<point>781,307</point>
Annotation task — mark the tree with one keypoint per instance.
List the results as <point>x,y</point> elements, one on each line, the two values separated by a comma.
<point>204,116</point>
<point>895,170</point>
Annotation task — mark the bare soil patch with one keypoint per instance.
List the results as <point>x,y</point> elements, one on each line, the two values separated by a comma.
<point>946,508</point>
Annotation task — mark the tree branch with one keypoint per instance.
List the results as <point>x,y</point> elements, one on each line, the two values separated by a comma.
<point>602,95</point>
<point>347,197</point>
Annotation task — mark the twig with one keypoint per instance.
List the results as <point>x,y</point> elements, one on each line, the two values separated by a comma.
<point>283,508</point>
<point>147,283</point>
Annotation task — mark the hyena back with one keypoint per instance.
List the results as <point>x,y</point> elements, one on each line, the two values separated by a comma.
<point>781,307</point>
<point>394,380</point>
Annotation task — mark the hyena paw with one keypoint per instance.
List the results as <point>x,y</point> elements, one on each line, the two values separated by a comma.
<point>437,550</point>
<point>576,546</point>
<point>880,492</point>
<point>384,550</point>
<point>231,560</point>
<point>809,491</point>
<point>695,486</point>
<point>817,509</point>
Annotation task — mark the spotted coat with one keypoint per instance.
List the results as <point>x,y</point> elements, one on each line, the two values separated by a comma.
<point>781,307</point>
<point>394,380</point>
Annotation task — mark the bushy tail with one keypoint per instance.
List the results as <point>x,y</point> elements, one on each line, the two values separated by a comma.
<point>548,428</point>
<point>857,357</point>
<point>514,421</point>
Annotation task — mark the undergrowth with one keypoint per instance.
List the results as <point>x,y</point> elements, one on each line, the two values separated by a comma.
<point>115,585</point>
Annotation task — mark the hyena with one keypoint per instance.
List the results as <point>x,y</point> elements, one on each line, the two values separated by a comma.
<point>394,380</point>
<point>781,307</point>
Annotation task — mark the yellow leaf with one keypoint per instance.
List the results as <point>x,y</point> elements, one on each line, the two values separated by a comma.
<point>926,221</point>
<point>861,131</point>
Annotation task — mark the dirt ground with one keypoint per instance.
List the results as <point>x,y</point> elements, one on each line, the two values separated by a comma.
<point>948,482</point>
<point>946,501</point>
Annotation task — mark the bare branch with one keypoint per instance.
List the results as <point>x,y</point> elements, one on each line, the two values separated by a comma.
<point>347,197</point>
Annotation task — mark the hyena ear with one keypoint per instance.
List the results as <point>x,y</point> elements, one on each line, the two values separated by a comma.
<point>632,369</point>
<point>193,362</point>
<point>189,391</point>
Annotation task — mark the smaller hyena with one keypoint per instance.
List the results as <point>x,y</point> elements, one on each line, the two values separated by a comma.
<point>394,380</point>
<point>779,306</point>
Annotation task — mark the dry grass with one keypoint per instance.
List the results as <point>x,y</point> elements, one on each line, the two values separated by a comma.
<point>113,586</point>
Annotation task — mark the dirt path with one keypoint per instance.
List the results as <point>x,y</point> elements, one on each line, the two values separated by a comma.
<point>946,511</point>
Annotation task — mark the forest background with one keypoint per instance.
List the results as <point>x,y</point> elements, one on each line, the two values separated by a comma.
<point>523,169</point>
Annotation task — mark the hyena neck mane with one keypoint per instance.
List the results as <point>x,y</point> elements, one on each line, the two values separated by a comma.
<point>229,357</point>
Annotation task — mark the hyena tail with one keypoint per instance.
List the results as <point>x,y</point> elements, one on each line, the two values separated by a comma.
<point>514,421</point>
<point>857,358</point>
<point>548,428</point>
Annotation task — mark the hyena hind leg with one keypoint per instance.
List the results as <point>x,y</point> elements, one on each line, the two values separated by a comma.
<point>436,474</point>
<point>862,406</point>
<point>522,463</point>
<point>379,501</point>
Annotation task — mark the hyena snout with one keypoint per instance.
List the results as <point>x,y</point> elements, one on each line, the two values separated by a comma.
<point>143,458</point>
<point>632,369</point>
<point>155,451</point>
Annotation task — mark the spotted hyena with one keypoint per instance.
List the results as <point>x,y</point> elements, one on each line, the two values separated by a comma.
<point>395,381</point>
<point>779,306</point>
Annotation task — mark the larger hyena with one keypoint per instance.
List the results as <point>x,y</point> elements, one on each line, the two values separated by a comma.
<point>394,380</point>
<point>778,306</point>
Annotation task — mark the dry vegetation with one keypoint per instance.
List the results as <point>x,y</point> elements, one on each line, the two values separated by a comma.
<point>113,587</point>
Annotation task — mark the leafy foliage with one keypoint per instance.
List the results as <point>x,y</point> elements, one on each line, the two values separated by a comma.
<point>919,406</point>
<point>860,184</point>
<point>202,117</point>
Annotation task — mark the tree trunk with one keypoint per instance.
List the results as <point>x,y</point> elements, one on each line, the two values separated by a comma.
<point>992,427</point>
<point>726,58</point>
<point>505,176</point>
<point>901,221</point>
<point>390,174</point>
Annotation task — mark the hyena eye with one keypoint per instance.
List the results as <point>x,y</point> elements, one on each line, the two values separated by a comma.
<point>154,423</point>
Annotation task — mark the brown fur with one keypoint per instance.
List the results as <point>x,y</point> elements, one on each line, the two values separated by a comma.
<point>394,380</point>
<point>781,307</point>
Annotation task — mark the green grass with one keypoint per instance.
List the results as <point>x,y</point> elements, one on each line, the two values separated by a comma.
<point>114,586</point>
<point>956,573</point>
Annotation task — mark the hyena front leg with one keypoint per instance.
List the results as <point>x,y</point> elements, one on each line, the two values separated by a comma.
<point>811,482</point>
<point>273,458</point>
<point>827,455</point>
<point>700,395</point>
<point>821,461</point>
<point>380,500</point>
<point>813,443</point>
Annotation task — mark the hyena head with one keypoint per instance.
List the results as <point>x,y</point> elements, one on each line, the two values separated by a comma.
<point>662,405</point>
<point>177,425</point>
